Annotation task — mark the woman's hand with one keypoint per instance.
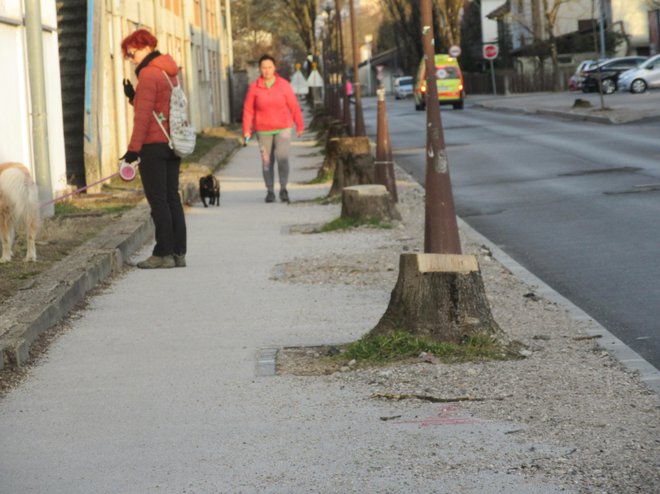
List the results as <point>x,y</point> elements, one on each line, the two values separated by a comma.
<point>299,133</point>
<point>129,91</point>
<point>130,157</point>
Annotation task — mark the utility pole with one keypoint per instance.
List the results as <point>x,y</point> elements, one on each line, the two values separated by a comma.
<point>602,29</point>
<point>441,228</point>
<point>360,130</point>
<point>35,52</point>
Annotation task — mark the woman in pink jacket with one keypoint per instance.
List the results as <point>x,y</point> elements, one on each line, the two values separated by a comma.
<point>271,108</point>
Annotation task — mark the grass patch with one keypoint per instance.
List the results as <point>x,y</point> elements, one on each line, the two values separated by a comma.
<point>329,176</point>
<point>401,345</point>
<point>203,145</point>
<point>69,209</point>
<point>347,223</point>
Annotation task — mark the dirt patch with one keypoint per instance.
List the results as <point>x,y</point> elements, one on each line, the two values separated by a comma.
<point>308,361</point>
<point>75,222</point>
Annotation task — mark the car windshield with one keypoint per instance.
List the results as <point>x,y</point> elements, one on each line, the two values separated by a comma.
<point>446,72</point>
<point>405,81</point>
<point>650,62</point>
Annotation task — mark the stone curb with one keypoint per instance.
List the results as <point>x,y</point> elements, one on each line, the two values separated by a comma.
<point>554,113</point>
<point>55,292</point>
<point>630,359</point>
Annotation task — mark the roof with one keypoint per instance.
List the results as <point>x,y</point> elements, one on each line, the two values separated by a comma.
<point>500,11</point>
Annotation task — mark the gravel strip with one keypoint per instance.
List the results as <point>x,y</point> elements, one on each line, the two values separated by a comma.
<point>568,392</point>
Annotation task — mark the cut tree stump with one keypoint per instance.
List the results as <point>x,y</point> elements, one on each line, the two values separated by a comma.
<point>354,164</point>
<point>440,296</point>
<point>368,202</point>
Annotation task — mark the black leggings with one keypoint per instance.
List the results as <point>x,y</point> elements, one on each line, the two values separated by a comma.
<point>159,170</point>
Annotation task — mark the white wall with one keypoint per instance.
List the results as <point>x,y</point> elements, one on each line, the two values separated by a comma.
<point>16,124</point>
<point>488,26</point>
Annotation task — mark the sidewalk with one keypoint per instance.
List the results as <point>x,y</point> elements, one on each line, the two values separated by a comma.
<point>620,108</point>
<point>159,384</point>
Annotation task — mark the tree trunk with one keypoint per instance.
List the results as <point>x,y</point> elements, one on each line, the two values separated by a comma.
<point>368,202</point>
<point>440,296</point>
<point>354,164</point>
<point>335,130</point>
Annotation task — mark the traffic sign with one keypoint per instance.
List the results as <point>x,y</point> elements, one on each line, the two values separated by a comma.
<point>491,52</point>
<point>454,51</point>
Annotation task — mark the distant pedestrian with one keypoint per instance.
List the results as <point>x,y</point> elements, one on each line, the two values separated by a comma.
<point>271,108</point>
<point>349,88</point>
<point>159,166</point>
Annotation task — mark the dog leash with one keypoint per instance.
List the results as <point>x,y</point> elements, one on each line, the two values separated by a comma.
<point>126,172</point>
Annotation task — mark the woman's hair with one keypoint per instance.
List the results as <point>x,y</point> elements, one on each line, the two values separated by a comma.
<point>266,57</point>
<point>138,39</point>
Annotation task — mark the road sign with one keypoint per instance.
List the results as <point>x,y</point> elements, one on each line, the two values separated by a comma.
<point>454,51</point>
<point>491,52</point>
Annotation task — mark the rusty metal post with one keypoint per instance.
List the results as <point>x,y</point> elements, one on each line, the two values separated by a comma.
<point>441,228</point>
<point>346,111</point>
<point>384,166</point>
<point>360,130</point>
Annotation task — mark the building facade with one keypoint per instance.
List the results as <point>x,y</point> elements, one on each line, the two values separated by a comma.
<point>196,33</point>
<point>525,21</point>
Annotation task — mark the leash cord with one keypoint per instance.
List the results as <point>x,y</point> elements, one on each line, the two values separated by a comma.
<point>41,205</point>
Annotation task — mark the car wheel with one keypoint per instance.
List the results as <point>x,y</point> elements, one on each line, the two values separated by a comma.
<point>638,86</point>
<point>458,106</point>
<point>608,86</point>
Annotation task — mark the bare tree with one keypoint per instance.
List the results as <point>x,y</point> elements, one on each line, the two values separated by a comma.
<point>304,14</point>
<point>449,14</point>
<point>550,10</point>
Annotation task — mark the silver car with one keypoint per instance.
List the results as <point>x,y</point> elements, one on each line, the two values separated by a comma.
<point>645,77</point>
<point>403,87</point>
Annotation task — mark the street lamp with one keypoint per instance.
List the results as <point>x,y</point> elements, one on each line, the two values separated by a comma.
<point>360,130</point>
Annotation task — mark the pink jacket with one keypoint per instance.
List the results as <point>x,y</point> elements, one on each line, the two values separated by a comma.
<point>272,108</point>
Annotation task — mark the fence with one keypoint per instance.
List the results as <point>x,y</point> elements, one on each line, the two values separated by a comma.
<point>511,82</point>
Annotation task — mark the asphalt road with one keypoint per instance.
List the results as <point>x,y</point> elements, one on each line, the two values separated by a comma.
<point>576,203</point>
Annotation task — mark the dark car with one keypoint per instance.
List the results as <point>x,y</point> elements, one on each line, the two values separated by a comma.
<point>608,73</point>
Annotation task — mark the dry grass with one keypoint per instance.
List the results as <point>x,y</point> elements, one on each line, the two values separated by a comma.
<point>74,223</point>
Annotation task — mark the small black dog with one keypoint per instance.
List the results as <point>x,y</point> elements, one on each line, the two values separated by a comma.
<point>209,186</point>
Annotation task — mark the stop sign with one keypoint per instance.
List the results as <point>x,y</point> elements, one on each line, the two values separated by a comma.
<point>491,52</point>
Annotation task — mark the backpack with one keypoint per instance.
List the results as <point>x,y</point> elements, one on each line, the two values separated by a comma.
<point>181,138</point>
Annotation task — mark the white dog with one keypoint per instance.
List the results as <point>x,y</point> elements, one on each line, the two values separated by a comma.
<point>19,203</point>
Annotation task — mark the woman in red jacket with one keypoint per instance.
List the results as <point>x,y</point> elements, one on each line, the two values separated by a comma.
<point>271,108</point>
<point>159,166</point>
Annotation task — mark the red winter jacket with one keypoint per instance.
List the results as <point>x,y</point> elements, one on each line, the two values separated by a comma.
<point>271,108</point>
<point>152,93</point>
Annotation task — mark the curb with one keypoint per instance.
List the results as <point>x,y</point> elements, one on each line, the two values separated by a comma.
<point>59,289</point>
<point>553,113</point>
<point>625,355</point>
<point>630,359</point>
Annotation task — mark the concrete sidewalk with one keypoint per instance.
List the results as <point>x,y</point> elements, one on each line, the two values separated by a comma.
<point>620,107</point>
<point>156,385</point>
<point>154,388</point>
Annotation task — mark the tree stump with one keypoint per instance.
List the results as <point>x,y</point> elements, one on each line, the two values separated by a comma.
<point>354,164</point>
<point>368,202</point>
<point>439,296</point>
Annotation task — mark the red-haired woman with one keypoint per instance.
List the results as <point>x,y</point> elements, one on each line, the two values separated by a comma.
<point>159,166</point>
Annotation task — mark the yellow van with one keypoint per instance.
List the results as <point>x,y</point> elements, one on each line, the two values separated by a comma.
<point>449,77</point>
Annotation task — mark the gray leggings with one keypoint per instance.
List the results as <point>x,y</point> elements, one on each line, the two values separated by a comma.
<point>275,147</point>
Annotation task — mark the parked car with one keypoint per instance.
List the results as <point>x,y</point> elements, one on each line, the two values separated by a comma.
<point>449,79</point>
<point>403,87</point>
<point>645,77</point>
<point>608,73</point>
<point>575,81</point>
